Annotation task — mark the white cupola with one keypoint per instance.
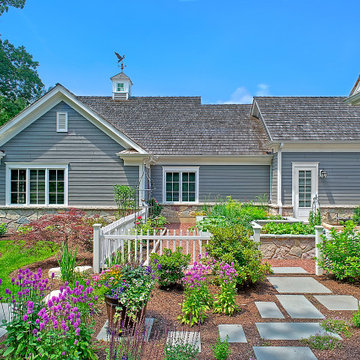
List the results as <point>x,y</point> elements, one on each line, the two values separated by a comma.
<point>354,97</point>
<point>121,85</point>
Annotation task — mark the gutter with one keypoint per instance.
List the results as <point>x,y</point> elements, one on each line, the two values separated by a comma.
<point>279,179</point>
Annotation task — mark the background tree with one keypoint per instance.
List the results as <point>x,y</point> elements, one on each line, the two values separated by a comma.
<point>20,83</point>
<point>4,5</point>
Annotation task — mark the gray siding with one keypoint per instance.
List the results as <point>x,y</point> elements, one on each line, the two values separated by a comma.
<point>341,187</point>
<point>274,176</point>
<point>242,182</point>
<point>94,166</point>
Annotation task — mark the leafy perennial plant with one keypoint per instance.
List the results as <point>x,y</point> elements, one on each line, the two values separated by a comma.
<point>198,299</point>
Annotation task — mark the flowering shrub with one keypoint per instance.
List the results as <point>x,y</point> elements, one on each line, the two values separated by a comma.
<point>322,342</point>
<point>169,267</point>
<point>337,326</point>
<point>131,285</point>
<point>198,299</point>
<point>154,208</point>
<point>57,330</point>
<point>71,227</point>
<point>225,302</point>
<point>341,253</point>
<point>233,245</point>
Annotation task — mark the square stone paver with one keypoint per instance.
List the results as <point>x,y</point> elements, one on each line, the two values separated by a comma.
<point>269,310</point>
<point>234,333</point>
<point>338,302</point>
<point>283,353</point>
<point>292,284</point>
<point>288,270</point>
<point>299,307</point>
<point>104,333</point>
<point>184,337</point>
<point>290,331</point>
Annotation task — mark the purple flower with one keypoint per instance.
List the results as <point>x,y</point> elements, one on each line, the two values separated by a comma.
<point>34,332</point>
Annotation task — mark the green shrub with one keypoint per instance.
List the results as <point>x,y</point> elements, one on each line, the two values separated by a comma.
<point>180,351</point>
<point>3,229</point>
<point>356,216</point>
<point>233,244</point>
<point>356,319</point>
<point>155,208</point>
<point>288,228</point>
<point>67,262</point>
<point>315,218</point>
<point>221,350</point>
<point>170,266</point>
<point>341,253</point>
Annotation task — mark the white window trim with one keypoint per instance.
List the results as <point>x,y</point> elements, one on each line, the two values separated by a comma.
<point>181,169</point>
<point>58,129</point>
<point>10,166</point>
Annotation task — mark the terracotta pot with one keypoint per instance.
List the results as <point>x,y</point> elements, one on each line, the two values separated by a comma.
<point>123,321</point>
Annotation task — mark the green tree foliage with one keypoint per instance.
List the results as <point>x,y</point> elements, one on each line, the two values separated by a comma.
<point>4,5</point>
<point>20,84</point>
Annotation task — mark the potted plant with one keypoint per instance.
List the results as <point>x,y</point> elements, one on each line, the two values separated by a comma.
<point>127,290</point>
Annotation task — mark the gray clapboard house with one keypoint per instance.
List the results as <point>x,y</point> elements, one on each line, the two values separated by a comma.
<point>68,151</point>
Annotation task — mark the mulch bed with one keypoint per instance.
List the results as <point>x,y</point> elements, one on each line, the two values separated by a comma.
<point>165,306</point>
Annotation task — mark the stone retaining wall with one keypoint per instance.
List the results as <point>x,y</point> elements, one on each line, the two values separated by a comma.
<point>287,247</point>
<point>16,217</point>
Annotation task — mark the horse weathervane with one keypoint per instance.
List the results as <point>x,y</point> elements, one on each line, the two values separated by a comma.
<point>120,59</point>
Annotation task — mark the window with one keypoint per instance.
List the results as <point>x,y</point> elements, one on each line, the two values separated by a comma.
<point>120,87</point>
<point>181,185</point>
<point>305,188</point>
<point>61,121</point>
<point>36,185</point>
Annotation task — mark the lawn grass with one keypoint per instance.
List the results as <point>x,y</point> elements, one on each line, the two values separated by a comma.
<point>14,256</point>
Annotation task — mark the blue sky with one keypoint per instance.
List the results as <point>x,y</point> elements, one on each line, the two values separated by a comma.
<point>224,51</point>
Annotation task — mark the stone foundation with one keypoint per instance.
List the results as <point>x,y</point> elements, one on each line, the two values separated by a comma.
<point>15,217</point>
<point>287,247</point>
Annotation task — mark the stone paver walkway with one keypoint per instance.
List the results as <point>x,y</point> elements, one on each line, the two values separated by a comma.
<point>232,332</point>
<point>338,302</point>
<point>269,310</point>
<point>298,285</point>
<point>299,307</point>
<point>290,331</point>
<point>288,270</point>
<point>283,353</point>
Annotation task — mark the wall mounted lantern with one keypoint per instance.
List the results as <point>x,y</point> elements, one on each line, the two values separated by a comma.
<point>323,174</point>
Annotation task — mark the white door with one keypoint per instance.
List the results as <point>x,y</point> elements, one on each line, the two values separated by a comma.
<point>304,188</point>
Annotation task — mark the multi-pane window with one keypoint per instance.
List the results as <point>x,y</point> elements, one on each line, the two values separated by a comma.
<point>37,186</point>
<point>18,186</point>
<point>305,188</point>
<point>120,87</point>
<point>180,185</point>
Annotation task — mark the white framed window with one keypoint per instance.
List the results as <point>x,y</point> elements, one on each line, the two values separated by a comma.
<point>181,185</point>
<point>120,87</point>
<point>28,184</point>
<point>61,121</point>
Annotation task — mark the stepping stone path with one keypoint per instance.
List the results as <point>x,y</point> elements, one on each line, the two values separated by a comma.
<point>184,337</point>
<point>233,333</point>
<point>338,302</point>
<point>290,331</point>
<point>290,284</point>
<point>283,353</point>
<point>289,270</point>
<point>269,310</point>
<point>103,335</point>
<point>299,307</point>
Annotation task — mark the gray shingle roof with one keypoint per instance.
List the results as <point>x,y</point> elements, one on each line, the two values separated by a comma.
<point>183,126</point>
<point>310,118</point>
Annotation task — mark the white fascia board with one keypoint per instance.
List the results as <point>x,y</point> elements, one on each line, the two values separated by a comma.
<point>52,98</point>
<point>133,159</point>
<point>354,99</point>
<point>263,120</point>
<point>212,160</point>
<point>324,146</point>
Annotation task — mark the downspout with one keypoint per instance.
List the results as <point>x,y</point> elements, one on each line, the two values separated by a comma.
<point>279,179</point>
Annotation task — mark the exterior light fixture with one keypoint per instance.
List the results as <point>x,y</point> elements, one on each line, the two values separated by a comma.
<point>323,174</point>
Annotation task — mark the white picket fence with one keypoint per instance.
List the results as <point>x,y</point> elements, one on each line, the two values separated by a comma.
<point>122,240</point>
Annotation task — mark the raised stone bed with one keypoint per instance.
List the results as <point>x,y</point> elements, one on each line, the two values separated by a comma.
<point>287,246</point>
